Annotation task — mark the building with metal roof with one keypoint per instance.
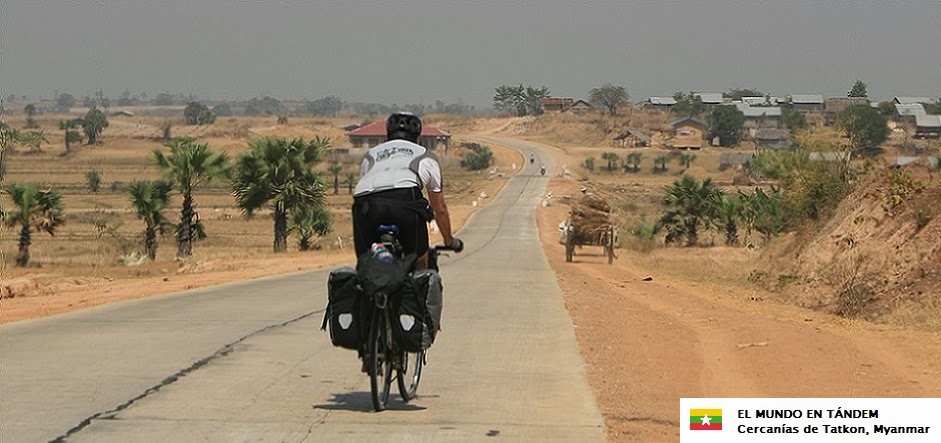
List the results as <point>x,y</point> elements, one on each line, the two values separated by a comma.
<point>663,101</point>
<point>759,116</point>
<point>761,101</point>
<point>664,104</point>
<point>807,102</point>
<point>928,126</point>
<point>807,99</point>
<point>710,98</point>
<point>908,110</point>
<point>911,100</point>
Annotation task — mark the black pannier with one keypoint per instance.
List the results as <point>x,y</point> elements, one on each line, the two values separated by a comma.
<point>417,311</point>
<point>347,310</point>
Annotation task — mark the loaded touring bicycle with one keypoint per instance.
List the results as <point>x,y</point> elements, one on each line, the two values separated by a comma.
<point>388,312</point>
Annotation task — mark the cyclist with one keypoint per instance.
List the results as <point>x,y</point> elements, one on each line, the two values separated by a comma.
<point>392,176</point>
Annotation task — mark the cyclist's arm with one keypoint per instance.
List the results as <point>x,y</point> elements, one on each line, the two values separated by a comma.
<point>442,217</point>
<point>429,171</point>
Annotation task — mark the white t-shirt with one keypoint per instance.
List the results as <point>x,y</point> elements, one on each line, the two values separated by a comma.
<point>392,165</point>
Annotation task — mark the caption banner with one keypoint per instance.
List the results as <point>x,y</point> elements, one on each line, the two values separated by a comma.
<point>810,419</point>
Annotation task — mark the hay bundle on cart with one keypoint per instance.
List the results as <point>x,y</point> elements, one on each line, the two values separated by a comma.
<point>589,224</point>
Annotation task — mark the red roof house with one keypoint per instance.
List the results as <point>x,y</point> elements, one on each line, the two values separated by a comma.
<point>374,134</point>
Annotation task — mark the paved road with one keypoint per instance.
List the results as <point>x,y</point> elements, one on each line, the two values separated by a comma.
<point>247,361</point>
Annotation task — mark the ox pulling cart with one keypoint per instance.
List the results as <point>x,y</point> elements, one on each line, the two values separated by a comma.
<point>589,224</point>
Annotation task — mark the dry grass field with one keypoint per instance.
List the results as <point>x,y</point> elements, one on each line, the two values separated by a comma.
<point>90,252</point>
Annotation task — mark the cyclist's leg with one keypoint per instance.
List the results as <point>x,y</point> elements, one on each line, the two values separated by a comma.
<point>364,228</point>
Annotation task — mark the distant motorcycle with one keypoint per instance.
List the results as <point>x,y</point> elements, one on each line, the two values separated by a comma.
<point>532,158</point>
<point>542,170</point>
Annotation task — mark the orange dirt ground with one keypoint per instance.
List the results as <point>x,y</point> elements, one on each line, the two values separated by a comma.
<point>649,343</point>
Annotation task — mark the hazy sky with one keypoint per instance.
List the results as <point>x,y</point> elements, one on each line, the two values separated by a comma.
<point>418,52</point>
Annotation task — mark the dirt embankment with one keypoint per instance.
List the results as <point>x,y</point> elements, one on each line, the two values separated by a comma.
<point>878,258</point>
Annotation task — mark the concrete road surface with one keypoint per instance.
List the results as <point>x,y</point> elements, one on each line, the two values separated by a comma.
<point>247,362</point>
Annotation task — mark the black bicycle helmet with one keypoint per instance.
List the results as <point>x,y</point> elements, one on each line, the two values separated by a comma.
<point>403,126</point>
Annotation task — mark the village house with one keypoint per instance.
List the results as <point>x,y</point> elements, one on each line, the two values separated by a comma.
<point>835,105</point>
<point>759,116</point>
<point>807,103</point>
<point>911,100</point>
<point>556,104</point>
<point>374,134</point>
<point>664,104</point>
<point>632,138</point>
<point>771,138</point>
<point>762,101</point>
<point>927,126</point>
<point>905,115</point>
<point>579,107</point>
<point>710,99</point>
<point>688,133</point>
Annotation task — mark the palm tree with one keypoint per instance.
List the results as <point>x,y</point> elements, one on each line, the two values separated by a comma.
<point>279,171</point>
<point>70,135</point>
<point>189,165</point>
<point>633,159</point>
<point>35,139</point>
<point>612,159</point>
<point>307,222</point>
<point>686,159</point>
<point>764,212</point>
<point>9,138</point>
<point>335,169</point>
<point>36,210</point>
<point>660,163</point>
<point>693,205</point>
<point>350,182</point>
<point>30,111</point>
<point>729,212</point>
<point>149,200</point>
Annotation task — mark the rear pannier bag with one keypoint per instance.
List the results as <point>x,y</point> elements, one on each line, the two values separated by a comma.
<point>418,311</point>
<point>346,310</point>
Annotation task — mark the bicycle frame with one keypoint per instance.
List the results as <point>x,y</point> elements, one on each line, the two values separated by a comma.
<point>391,358</point>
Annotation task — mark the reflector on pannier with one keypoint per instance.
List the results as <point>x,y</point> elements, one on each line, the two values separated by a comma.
<point>347,312</point>
<point>417,309</point>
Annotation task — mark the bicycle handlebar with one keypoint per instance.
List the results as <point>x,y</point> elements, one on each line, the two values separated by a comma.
<point>456,245</point>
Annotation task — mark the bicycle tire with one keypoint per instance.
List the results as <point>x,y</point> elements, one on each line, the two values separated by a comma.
<point>380,365</point>
<point>408,381</point>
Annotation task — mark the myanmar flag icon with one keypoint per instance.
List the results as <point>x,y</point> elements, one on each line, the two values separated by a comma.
<point>705,419</point>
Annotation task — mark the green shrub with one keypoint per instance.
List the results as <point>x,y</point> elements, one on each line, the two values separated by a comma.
<point>480,157</point>
<point>811,189</point>
<point>589,164</point>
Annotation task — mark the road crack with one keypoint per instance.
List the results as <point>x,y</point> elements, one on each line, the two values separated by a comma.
<point>222,352</point>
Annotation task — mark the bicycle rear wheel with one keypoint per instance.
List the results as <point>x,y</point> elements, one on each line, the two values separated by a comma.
<point>409,374</point>
<point>380,362</point>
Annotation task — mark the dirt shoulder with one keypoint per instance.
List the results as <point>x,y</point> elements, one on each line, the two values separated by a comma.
<point>651,335</point>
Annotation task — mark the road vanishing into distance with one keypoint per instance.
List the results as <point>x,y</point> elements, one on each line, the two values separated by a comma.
<point>247,361</point>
